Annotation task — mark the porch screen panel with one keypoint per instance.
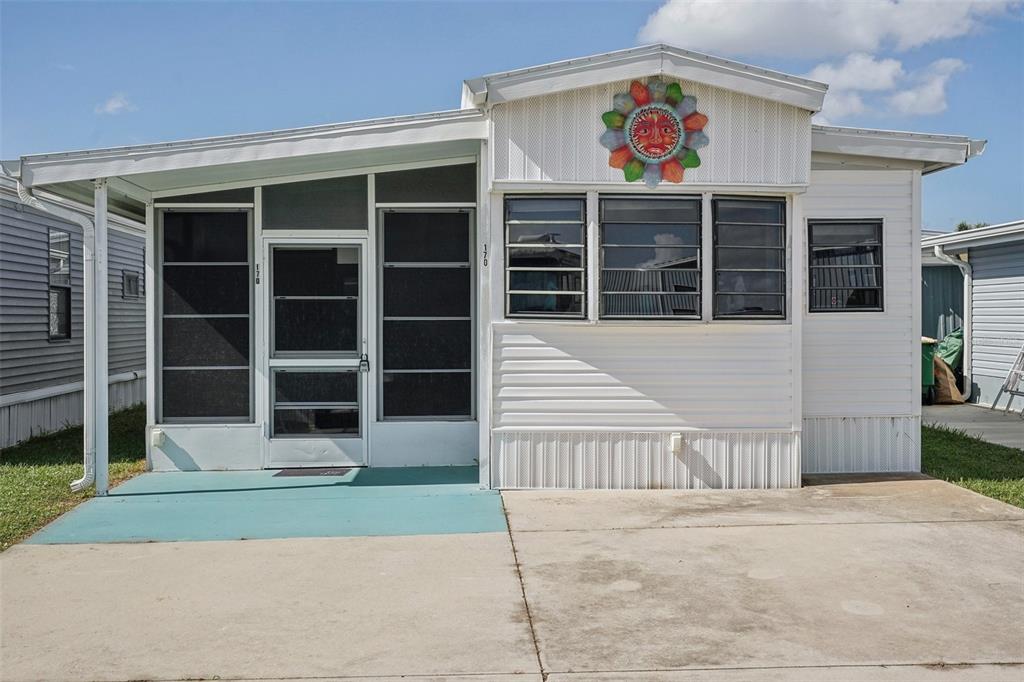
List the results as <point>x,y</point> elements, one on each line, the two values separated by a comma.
<point>427,325</point>
<point>331,204</point>
<point>205,303</point>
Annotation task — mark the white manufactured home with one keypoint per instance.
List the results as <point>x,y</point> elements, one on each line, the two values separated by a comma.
<point>641,269</point>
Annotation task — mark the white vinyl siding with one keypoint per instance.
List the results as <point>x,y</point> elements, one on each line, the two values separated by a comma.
<point>997,318</point>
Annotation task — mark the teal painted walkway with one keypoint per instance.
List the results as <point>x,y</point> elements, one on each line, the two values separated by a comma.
<point>236,505</point>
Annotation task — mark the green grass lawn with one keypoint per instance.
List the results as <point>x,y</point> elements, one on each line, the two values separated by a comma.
<point>35,475</point>
<point>993,470</point>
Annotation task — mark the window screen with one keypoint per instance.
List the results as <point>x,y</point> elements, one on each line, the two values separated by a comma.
<point>316,403</point>
<point>427,319</point>
<point>59,299</point>
<point>845,265</point>
<point>427,185</point>
<point>545,257</point>
<point>332,204</point>
<point>650,257</point>
<point>750,258</point>
<point>316,300</point>
<point>205,307</point>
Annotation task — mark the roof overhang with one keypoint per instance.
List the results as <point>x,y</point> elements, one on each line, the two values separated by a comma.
<point>650,60</point>
<point>932,152</point>
<point>989,235</point>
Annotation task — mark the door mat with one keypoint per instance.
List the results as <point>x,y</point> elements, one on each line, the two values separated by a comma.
<point>320,471</point>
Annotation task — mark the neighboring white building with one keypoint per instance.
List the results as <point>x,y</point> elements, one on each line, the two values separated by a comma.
<point>642,269</point>
<point>41,316</point>
<point>990,294</point>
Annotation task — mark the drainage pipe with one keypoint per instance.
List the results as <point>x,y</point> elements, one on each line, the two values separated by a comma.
<point>968,272</point>
<point>88,397</point>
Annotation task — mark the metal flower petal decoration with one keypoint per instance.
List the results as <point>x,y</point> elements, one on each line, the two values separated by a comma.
<point>654,132</point>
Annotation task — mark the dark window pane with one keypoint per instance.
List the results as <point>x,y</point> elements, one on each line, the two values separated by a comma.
<point>823,234</point>
<point>749,305</point>
<point>203,237</point>
<point>316,272</point>
<point>427,292</point>
<point>749,235</point>
<point>650,280</point>
<point>206,289</point>
<point>769,282</point>
<point>326,421</point>
<point>316,387</point>
<point>846,277</point>
<point>650,210</point>
<point>545,280</point>
<point>432,344</point>
<point>545,233</point>
<point>426,237</point>
<point>205,341</point>
<point>443,183</point>
<point>545,257</point>
<point>544,209</point>
<point>770,259</point>
<point>845,299</point>
<point>750,211</point>
<point>654,235</point>
<point>242,195</point>
<point>652,258</point>
<point>431,394</point>
<point>315,325</point>
<point>567,305</point>
<point>649,305</point>
<point>60,312</point>
<point>205,393</point>
<point>333,204</point>
<point>846,255</point>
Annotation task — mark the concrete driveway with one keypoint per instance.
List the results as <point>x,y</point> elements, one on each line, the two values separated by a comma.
<point>882,580</point>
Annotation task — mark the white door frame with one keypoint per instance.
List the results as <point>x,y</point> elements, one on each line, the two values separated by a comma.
<point>294,451</point>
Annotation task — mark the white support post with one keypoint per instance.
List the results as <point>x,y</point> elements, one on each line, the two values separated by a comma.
<point>96,383</point>
<point>150,293</point>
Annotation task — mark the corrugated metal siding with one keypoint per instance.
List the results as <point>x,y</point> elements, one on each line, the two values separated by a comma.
<point>843,445</point>
<point>28,359</point>
<point>627,461</point>
<point>861,364</point>
<point>24,420</point>
<point>554,137</point>
<point>723,376</point>
<point>942,300</point>
<point>997,323</point>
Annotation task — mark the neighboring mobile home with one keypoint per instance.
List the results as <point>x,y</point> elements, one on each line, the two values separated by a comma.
<point>41,321</point>
<point>642,269</point>
<point>979,273</point>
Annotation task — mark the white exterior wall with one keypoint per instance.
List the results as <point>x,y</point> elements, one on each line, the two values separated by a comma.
<point>861,371</point>
<point>997,320</point>
<point>553,138</point>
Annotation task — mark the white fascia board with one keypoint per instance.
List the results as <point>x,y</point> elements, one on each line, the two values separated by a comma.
<point>360,135</point>
<point>978,236</point>
<point>939,151</point>
<point>652,60</point>
<point>9,190</point>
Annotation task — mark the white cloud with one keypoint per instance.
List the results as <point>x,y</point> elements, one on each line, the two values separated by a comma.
<point>928,94</point>
<point>116,104</point>
<point>814,28</point>
<point>859,71</point>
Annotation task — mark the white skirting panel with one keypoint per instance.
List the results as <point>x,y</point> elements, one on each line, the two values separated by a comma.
<point>645,460</point>
<point>846,445</point>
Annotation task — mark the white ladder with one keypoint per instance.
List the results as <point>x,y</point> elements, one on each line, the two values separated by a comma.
<point>1013,385</point>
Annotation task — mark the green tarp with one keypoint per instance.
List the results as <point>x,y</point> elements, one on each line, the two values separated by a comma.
<point>951,348</point>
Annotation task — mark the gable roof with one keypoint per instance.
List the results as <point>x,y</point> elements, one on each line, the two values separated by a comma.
<point>976,236</point>
<point>934,152</point>
<point>638,62</point>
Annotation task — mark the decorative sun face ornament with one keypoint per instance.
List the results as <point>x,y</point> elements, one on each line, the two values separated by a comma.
<point>654,132</point>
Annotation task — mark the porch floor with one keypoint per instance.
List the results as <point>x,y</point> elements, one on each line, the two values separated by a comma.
<point>237,505</point>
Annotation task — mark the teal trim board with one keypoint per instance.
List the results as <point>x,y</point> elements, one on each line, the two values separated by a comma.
<point>237,505</point>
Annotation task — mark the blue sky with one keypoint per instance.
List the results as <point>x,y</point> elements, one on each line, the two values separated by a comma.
<point>88,74</point>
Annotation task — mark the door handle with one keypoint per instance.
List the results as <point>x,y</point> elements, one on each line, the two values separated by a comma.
<point>364,363</point>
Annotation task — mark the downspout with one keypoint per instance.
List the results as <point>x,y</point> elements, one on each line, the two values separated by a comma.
<point>88,257</point>
<point>967,271</point>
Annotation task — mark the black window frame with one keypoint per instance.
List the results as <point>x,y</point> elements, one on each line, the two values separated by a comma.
<point>602,244</point>
<point>62,289</point>
<point>583,269</point>
<point>783,249</point>
<point>879,225</point>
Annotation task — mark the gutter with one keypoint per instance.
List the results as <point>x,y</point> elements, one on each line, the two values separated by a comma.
<point>968,272</point>
<point>88,256</point>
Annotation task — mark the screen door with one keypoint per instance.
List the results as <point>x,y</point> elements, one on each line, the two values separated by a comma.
<point>318,364</point>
